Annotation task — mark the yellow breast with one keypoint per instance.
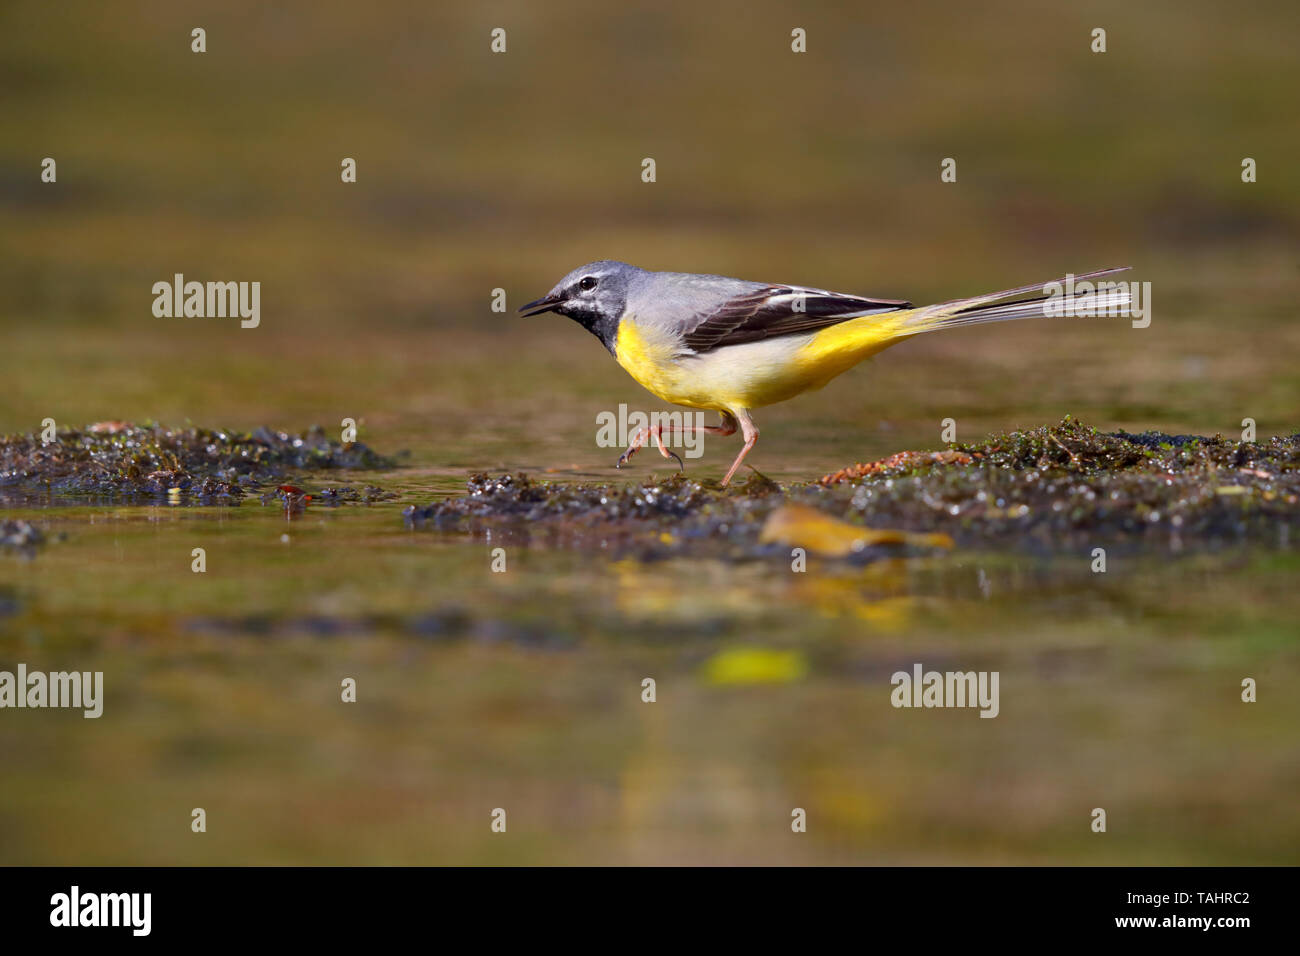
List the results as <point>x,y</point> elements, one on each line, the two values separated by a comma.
<point>653,360</point>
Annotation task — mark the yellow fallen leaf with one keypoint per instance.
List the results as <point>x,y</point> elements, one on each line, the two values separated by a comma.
<point>800,526</point>
<point>753,665</point>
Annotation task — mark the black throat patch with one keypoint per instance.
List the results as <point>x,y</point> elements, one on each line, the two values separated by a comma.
<point>598,324</point>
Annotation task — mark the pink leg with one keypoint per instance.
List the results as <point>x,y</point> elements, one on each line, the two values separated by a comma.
<point>727,427</point>
<point>658,433</point>
<point>639,439</point>
<point>750,431</point>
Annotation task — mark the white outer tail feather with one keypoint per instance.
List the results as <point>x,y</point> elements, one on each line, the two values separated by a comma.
<point>991,308</point>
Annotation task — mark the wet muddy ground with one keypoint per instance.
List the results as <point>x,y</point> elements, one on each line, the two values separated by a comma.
<point>1053,488</point>
<point>120,461</point>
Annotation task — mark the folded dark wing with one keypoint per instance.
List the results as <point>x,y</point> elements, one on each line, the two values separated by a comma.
<point>774,311</point>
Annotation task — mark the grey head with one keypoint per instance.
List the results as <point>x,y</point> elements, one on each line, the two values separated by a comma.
<point>594,296</point>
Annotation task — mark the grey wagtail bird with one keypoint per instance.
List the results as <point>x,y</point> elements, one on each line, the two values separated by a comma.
<point>728,345</point>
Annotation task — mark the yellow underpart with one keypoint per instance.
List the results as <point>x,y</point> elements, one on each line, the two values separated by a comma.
<point>754,374</point>
<point>837,348</point>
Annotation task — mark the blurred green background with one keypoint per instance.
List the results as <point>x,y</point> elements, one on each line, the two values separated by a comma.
<point>477,171</point>
<point>481,170</point>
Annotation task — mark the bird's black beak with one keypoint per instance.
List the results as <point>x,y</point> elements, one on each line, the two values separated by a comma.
<point>547,303</point>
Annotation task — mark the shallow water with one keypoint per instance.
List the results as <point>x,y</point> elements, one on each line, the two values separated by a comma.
<point>522,690</point>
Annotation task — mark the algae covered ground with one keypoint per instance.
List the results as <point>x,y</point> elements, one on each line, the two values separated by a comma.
<point>1053,488</point>
<point>117,461</point>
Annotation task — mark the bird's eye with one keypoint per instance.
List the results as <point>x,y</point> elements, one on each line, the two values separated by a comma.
<point>587,284</point>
